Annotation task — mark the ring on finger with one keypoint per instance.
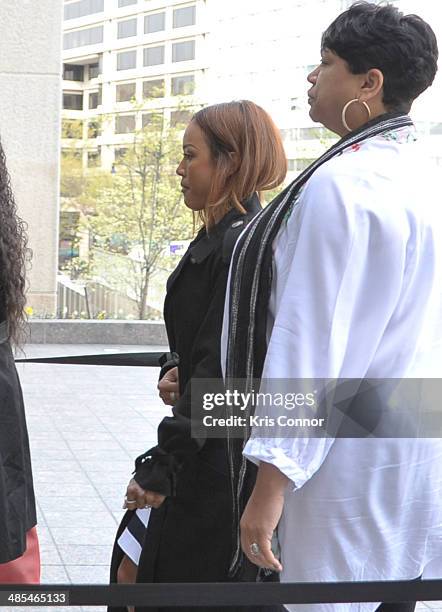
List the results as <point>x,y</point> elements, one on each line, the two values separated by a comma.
<point>172,396</point>
<point>254,549</point>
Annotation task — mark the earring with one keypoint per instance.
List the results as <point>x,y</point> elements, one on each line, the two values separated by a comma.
<point>344,111</point>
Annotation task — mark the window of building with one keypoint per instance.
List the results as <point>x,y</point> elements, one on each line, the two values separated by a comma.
<point>124,124</point>
<point>71,154</point>
<point>154,55</point>
<point>72,128</point>
<point>153,88</point>
<point>125,92</point>
<point>119,154</point>
<point>94,100</point>
<point>183,85</point>
<point>93,159</point>
<point>73,101</point>
<point>154,119</point>
<point>154,23</point>
<point>185,16</point>
<point>94,70</point>
<point>183,51</point>
<point>127,28</point>
<point>126,60</point>
<point>180,118</point>
<point>122,3</point>
<point>93,129</point>
<point>73,73</point>
<point>73,10</point>
<point>82,38</point>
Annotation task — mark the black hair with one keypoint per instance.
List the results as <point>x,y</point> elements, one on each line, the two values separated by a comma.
<point>14,255</point>
<point>403,47</point>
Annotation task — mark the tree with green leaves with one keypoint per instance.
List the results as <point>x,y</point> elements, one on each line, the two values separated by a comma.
<point>142,205</point>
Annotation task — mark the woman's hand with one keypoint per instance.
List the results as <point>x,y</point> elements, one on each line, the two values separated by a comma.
<point>138,498</point>
<point>169,387</point>
<point>261,517</point>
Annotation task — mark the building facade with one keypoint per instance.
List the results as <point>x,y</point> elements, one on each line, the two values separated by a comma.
<point>124,60</point>
<point>117,52</point>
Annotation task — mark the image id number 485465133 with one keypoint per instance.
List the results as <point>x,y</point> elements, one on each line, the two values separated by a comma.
<point>20,598</point>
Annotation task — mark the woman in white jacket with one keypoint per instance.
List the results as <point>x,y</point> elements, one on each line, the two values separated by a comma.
<point>353,251</point>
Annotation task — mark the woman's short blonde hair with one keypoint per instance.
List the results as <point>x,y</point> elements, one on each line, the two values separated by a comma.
<point>248,153</point>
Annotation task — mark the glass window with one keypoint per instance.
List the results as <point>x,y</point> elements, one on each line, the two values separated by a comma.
<point>94,100</point>
<point>124,124</point>
<point>184,16</point>
<point>180,118</point>
<point>183,85</point>
<point>154,55</point>
<point>94,70</point>
<point>119,154</point>
<point>127,28</point>
<point>122,3</point>
<point>151,119</point>
<point>126,60</point>
<point>154,23</point>
<point>125,92</point>
<point>71,128</point>
<point>73,73</point>
<point>73,101</point>
<point>82,8</point>
<point>70,154</point>
<point>81,38</point>
<point>93,159</point>
<point>183,51</point>
<point>93,129</point>
<point>153,88</point>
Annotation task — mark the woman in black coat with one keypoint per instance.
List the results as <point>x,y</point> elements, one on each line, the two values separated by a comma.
<point>19,555</point>
<point>232,152</point>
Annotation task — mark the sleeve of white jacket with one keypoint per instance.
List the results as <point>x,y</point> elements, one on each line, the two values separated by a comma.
<point>343,257</point>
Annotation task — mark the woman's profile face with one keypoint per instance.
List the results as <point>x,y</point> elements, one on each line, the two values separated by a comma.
<point>196,168</point>
<point>333,85</point>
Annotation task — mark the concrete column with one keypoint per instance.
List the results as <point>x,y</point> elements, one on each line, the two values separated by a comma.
<point>30,105</point>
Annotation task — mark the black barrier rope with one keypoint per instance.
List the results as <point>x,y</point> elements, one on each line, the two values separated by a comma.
<point>226,594</point>
<point>204,594</point>
<point>108,359</point>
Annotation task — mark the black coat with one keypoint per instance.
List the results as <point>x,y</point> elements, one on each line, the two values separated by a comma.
<point>17,503</point>
<point>189,538</point>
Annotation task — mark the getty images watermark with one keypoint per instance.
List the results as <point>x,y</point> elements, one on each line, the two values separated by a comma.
<point>246,402</point>
<point>346,408</point>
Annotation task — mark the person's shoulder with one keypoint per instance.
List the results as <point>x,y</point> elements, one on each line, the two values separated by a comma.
<point>232,233</point>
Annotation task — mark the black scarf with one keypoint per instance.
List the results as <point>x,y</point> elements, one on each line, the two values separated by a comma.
<point>250,286</point>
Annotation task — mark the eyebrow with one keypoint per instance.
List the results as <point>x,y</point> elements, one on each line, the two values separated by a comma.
<point>189,145</point>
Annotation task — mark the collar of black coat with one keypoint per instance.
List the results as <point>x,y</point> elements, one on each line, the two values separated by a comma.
<point>205,243</point>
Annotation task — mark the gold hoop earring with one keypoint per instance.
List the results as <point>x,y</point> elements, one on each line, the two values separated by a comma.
<point>344,111</point>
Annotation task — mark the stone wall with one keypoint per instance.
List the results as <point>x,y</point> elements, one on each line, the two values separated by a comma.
<point>64,331</point>
<point>30,106</point>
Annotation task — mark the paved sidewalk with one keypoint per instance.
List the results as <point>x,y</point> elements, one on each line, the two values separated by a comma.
<point>86,426</point>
